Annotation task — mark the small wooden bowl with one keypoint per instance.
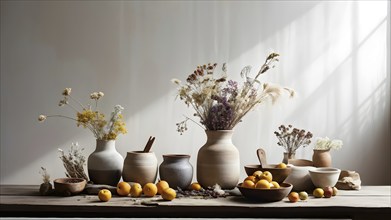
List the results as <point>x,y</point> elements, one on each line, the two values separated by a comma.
<point>279,174</point>
<point>266,195</point>
<point>69,186</point>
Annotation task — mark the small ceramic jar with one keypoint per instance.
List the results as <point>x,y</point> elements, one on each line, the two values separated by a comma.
<point>176,170</point>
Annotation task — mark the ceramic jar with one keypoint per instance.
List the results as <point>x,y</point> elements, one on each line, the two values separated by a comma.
<point>176,170</point>
<point>321,158</point>
<point>140,167</point>
<point>105,163</point>
<point>218,161</point>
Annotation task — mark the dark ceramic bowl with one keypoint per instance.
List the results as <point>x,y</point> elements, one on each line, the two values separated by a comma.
<point>69,186</point>
<point>266,195</point>
<point>279,174</point>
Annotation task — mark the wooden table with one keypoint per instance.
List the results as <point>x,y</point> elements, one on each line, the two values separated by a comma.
<point>371,202</point>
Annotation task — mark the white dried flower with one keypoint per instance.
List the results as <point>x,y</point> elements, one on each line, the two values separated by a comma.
<point>118,109</point>
<point>176,81</point>
<point>42,118</point>
<point>67,91</point>
<point>327,144</point>
<point>100,94</point>
<point>94,95</point>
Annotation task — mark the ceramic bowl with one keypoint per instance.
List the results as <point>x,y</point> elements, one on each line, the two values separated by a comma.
<point>279,174</point>
<point>266,195</point>
<point>69,186</point>
<point>324,176</point>
<point>300,178</point>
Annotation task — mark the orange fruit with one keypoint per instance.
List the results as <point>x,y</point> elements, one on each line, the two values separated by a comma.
<point>293,197</point>
<point>123,188</point>
<point>195,186</point>
<point>248,184</point>
<point>169,194</point>
<point>104,195</point>
<point>262,184</point>
<point>136,190</point>
<point>251,178</point>
<point>150,190</point>
<point>161,185</point>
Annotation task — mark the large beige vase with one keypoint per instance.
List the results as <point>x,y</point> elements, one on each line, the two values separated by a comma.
<point>140,167</point>
<point>218,161</point>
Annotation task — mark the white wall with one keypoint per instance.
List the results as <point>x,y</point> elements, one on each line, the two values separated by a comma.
<point>336,55</point>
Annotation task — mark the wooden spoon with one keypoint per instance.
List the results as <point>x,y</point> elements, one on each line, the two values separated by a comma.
<point>262,157</point>
<point>148,146</point>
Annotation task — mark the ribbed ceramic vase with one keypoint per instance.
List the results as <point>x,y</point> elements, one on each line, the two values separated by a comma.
<point>105,163</point>
<point>218,161</point>
<point>176,170</point>
<point>322,158</point>
<point>140,167</point>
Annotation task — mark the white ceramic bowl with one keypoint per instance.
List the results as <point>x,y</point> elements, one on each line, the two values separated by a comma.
<point>300,178</point>
<point>324,176</point>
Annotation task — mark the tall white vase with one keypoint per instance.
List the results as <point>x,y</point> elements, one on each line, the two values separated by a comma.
<point>218,160</point>
<point>105,163</point>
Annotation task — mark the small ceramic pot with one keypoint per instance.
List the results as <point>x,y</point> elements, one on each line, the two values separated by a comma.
<point>140,167</point>
<point>176,170</point>
<point>321,158</point>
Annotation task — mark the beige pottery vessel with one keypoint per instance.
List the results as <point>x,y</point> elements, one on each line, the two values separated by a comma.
<point>322,158</point>
<point>140,167</point>
<point>218,161</point>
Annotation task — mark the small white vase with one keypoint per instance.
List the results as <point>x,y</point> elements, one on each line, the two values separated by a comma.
<point>218,161</point>
<point>105,163</point>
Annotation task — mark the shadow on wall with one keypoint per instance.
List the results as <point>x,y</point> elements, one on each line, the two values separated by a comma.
<point>129,50</point>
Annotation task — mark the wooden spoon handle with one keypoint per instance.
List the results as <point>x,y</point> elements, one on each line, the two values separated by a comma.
<point>262,157</point>
<point>148,146</point>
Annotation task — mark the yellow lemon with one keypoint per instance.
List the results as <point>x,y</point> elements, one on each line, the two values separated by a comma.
<point>162,185</point>
<point>266,176</point>
<point>104,195</point>
<point>123,189</point>
<point>281,165</point>
<point>169,194</point>
<point>257,174</point>
<point>274,184</point>
<point>136,190</point>
<point>150,190</point>
<point>262,184</point>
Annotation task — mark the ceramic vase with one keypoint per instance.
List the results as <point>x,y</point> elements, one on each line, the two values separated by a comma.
<point>288,156</point>
<point>140,167</point>
<point>321,158</point>
<point>218,161</point>
<point>105,163</point>
<point>176,170</point>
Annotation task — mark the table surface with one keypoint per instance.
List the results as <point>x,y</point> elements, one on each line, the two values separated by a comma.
<point>371,202</point>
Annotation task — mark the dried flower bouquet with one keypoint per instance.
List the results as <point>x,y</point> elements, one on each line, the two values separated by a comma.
<point>221,103</point>
<point>327,144</point>
<point>292,138</point>
<point>91,118</point>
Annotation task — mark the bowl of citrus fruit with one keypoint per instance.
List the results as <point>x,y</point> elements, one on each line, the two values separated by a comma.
<point>279,171</point>
<point>261,187</point>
